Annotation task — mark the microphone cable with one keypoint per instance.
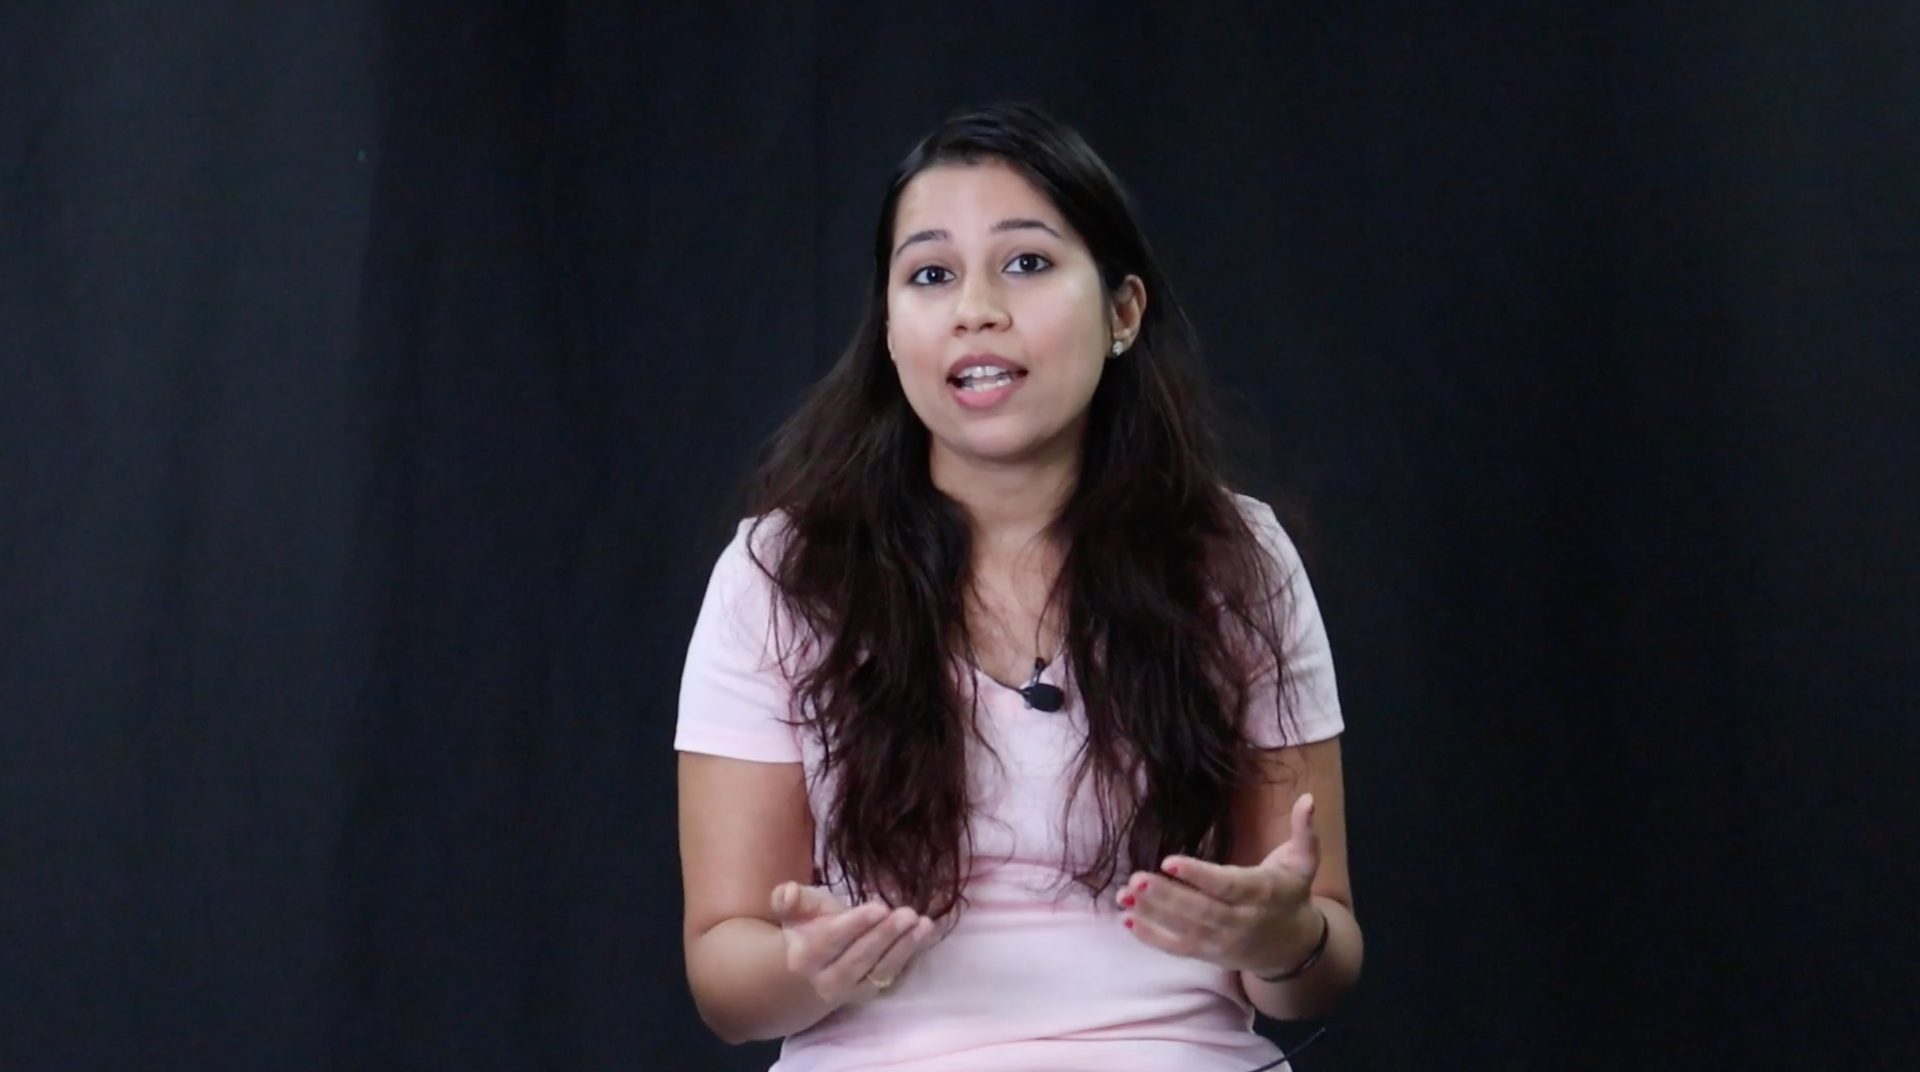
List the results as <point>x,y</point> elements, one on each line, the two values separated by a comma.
<point>1295,1052</point>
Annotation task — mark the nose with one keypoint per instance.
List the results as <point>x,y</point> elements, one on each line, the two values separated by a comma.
<point>978,307</point>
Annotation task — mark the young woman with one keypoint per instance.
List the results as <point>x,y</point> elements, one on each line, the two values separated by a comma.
<point>1008,733</point>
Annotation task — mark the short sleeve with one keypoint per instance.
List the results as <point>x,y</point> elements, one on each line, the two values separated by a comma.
<point>734,698</point>
<point>1307,672</point>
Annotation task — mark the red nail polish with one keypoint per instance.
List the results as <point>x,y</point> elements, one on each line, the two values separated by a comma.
<point>1126,901</point>
<point>1129,923</point>
<point>1174,870</point>
<point>1143,885</point>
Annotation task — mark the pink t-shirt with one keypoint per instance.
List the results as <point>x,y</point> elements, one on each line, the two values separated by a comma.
<point>1035,974</point>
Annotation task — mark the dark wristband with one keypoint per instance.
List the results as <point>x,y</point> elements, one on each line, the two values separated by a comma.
<point>1319,947</point>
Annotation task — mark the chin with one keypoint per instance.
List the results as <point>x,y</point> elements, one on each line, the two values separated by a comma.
<point>997,447</point>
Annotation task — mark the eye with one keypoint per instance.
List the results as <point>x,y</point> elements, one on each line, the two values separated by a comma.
<point>1028,264</point>
<point>931,275</point>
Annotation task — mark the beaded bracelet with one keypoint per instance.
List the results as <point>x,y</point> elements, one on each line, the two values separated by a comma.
<point>1295,972</point>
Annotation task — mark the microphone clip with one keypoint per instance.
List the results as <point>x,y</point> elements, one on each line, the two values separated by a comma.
<point>1041,696</point>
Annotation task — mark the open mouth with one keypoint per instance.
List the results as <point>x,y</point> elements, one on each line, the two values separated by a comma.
<point>985,379</point>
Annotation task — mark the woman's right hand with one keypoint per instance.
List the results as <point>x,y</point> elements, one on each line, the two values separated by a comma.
<point>847,954</point>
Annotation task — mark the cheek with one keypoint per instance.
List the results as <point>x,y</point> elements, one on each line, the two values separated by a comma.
<point>1070,333</point>
<point>1071,309</point>
<point>916,340</point>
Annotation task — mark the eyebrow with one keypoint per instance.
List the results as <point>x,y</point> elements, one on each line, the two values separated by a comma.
<point>1018,223</point>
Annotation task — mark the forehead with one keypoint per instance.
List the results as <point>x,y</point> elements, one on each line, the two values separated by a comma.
<point>968,197</point>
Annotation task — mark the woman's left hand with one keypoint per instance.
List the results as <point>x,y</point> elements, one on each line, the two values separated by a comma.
<point>1259,919</point>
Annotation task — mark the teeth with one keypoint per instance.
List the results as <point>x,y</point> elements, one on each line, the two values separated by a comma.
<point>984,379</point>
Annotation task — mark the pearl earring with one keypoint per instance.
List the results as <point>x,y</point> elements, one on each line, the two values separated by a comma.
<point>1119,347</point>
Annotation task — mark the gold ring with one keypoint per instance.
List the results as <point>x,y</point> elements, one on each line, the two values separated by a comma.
<point>879,984</point>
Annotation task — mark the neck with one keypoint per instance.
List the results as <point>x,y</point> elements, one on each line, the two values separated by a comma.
<point>1010,505</point>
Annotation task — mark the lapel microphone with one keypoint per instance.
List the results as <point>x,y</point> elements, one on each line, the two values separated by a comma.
<point>1039,695</point>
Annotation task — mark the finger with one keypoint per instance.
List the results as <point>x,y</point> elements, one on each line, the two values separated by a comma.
<point>1159,937</point>
<point>826,939</point>
<point>818,901</point>
<point>857,961</point>
<point>1301,853</point>
<point>1205,927</point>
<point>910,945</point>
<point>1175,905</point>
<point>1306,836</point>
<point>795,903</point>
<point>1223,882</point>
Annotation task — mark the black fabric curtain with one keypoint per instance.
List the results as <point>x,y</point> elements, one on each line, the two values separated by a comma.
<point>379,380</point>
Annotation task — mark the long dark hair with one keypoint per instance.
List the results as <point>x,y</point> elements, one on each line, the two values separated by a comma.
<point>1168,592</point>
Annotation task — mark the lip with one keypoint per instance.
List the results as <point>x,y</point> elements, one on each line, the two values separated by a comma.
<point>984,400</point>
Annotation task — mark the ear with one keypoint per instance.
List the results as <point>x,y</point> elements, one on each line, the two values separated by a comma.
<point>1128,308</point>
<point>890,356</point>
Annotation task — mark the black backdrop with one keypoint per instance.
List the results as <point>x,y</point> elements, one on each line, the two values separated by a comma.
<point>378,385</point>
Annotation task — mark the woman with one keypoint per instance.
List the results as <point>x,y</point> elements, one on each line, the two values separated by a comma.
<point>1008,733</point>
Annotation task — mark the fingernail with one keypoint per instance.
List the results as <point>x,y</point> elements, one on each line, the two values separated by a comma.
<point>1129,922</point>
<point>1172,868</point>
<point>1126,900</point>
<point>1143,885</point>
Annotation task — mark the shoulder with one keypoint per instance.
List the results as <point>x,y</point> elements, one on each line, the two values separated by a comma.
<point>756,545</point>
<point>741,587</point>
<point>1265,525</point>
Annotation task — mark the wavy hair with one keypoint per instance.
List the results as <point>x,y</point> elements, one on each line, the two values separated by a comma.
<point>1167,591</point>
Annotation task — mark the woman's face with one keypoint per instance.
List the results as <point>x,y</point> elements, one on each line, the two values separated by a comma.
<point>997,320</point>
